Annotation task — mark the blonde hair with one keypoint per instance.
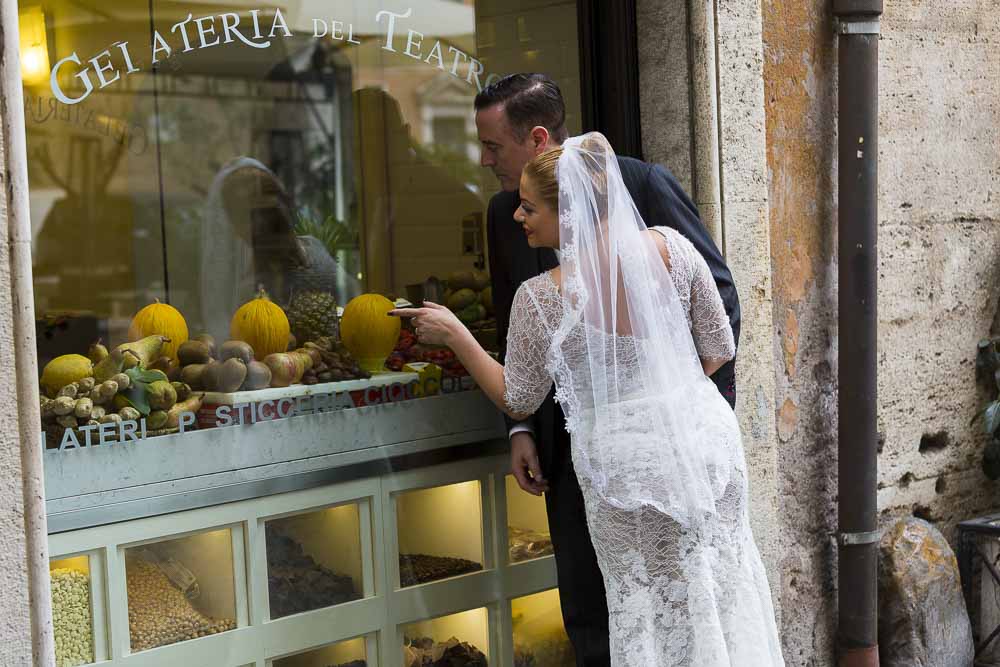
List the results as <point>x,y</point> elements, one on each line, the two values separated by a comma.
<point>541,171</point>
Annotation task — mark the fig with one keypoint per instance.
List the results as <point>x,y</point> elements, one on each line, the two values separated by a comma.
<point>111,419</point>
<point>86,385</point>
<point>258,376</point>
<point>209,341</point>
<point>194,352</point>
<point>123,381</point>
<point>192,375</point>
<point>210,376</point>
<point>231,375</point>
<point>128,413</point>
<point>236,349</point>
<point>283,368</point>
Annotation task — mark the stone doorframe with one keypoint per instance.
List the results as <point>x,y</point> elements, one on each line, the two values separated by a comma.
<point>701,70</point>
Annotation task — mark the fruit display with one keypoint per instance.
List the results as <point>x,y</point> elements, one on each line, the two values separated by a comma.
<point>72,624</point>
<point>417,569</point>
<point>408,349</point>
<point>263,324</point>
<point>296,583</point>
<point>425,652</point>
<point>160,319</point>
<point>368,331</point>
<point>470,297</point>
<point>159,613</point>
<point>528,544</point>
<point>119,388</point>
<point>313,315</point>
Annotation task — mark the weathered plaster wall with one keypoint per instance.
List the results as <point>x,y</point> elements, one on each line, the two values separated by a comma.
<point>939,237</point>
<point>15,624</point>
<point>939,257</point>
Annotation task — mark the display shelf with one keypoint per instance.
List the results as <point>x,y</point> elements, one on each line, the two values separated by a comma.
<point>315,559</point>
<point>180,589</point>
<point>353,529</point>
<point>527,524</point>
<point>439,532</point>
<point>457,640</point>
<point>356,652</point>
<point>539,638</point>
<point>78,604</point>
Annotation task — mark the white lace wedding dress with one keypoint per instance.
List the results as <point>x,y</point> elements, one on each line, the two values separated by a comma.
<point>684,587</point>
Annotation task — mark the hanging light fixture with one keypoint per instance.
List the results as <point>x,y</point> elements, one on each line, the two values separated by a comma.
<point>34,46</point>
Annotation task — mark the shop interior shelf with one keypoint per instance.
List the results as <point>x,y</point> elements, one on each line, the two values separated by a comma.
<point>180,589</point>
<point>456,640</point>
<point>357,652</point>
<point>439,532</point>
<point>315,559</point>
<point>312,577</point>
<point>78,609</point>
<point>539,636</point>
<point>527,524</point>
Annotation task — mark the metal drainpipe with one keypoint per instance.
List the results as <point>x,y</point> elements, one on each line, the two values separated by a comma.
<point>857,180</point>
<point>25,352</point>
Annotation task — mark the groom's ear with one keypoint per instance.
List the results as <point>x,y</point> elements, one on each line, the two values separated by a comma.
<point>539,136</point>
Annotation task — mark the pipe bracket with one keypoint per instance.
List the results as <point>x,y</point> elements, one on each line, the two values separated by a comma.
<point>858,539</point>
<point>858,27</point>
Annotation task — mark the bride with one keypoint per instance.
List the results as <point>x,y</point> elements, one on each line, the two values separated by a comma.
<point>627,327</point>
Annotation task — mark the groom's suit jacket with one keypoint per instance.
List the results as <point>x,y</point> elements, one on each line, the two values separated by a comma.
<point>660,200</point>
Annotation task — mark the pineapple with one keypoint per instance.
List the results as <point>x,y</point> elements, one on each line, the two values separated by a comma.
<point>313,315</point>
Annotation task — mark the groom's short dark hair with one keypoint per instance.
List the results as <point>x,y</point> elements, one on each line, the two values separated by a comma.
<point>528,100</point>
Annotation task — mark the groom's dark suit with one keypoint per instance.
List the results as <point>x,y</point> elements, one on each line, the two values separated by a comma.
<point>660,201</point>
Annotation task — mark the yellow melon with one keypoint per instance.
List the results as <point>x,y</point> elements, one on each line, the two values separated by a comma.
<point>368,331</point>
<point>262,324</point>
<point>160,319</point>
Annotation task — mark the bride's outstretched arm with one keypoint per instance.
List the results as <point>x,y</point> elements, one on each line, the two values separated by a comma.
<point>437,325</point>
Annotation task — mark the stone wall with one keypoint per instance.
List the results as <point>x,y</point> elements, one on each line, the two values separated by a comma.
<point>939,256</point>
<point>15,624</point>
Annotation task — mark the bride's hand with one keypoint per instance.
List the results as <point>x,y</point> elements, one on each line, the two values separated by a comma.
<point>433,324</point>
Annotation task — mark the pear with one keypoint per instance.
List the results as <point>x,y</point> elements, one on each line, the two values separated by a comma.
<point>161,395</point>
<point>147,349</point>
<point>97,352</point>
<point>111,366</point>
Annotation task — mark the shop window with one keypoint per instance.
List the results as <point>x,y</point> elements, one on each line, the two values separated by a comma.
<point>76,611</point>
<point>314,560</point>
<point>457,639</point>
<point>527,524</point>
<point>180,589</point>
<point>539,635</point>
<point>439,532</point>
<point>350,653</point>
<point>283,158</point>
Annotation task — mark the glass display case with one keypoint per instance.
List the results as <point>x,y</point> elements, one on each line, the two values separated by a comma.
<point>540,639</point>
<point>527,524</point>
<point>180,589</point>
<point>356,652</point>
<point>439,532</point>
<point>456,640</point>
<point>315,559</point>
<point>73,610</point>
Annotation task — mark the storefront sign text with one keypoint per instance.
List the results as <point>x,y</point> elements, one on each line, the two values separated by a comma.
<point>203,32</point>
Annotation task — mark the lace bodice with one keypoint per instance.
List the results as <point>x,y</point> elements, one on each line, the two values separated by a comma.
<point>538,308</point>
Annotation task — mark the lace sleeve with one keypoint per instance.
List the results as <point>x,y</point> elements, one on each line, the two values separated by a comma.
<point>526,380</point>
<point>710,328</point>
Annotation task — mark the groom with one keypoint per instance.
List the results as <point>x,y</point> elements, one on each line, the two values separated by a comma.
<point>519,117</point>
